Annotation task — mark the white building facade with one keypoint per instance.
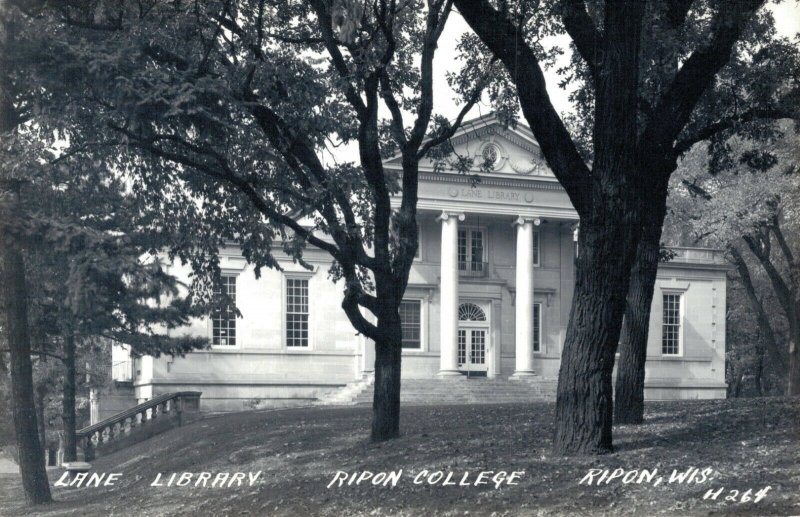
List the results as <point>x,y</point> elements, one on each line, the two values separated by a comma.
<point>489,295</point>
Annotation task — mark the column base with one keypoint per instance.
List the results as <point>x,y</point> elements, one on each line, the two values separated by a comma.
<point>449,373</point>
<point>523,374</point>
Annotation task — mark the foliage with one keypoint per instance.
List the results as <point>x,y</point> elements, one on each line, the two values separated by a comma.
<point>743,208</point>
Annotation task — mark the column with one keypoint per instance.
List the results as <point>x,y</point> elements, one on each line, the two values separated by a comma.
<point>448,295</point>
<point>524,297</point>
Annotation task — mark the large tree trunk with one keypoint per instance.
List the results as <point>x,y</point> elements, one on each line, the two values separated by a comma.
<point>68,401</point>
<point>41,393</point>
<point>584,396</point>
<point>608,238</point>
<point>386,397</point>
<point>13,295</point>
<point>629,393</point>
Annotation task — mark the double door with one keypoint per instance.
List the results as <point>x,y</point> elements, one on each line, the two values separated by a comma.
<point>472,347</point>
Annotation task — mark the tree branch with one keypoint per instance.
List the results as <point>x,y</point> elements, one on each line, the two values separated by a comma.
<point>581,28</point>
<point>672,113</point>
<point>701,135</point>
<point>782,291</point>
<point>242,185</point>
<point>506,41</point>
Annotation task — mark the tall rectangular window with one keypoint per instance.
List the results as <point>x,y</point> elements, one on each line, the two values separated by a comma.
<point>411,324</point>
<point>470,251</point>
<point>537,327</point>
<point>296,312</point>
<point>223,320</point>
<point>536,249</point>
<point>671,325</point>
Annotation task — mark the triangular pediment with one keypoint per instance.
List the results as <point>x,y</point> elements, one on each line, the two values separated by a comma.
<point>493,148</point>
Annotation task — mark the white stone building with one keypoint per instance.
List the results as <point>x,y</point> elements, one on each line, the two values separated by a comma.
<point>489,295</point>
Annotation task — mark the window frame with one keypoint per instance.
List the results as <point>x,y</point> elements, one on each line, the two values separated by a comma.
<point>538,333</point>
<point>681,326</point>
<point>484,241</point>
<point>537,248</point>
<point>211,319</point>
<point>285,313</point>
<point>422,326</point>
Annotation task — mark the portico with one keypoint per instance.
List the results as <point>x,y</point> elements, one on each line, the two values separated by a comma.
<point>465,340</point>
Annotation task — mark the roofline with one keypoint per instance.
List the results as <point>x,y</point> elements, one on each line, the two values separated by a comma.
<point>474,124</point>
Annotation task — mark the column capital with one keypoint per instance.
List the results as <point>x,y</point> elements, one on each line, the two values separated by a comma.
<point>445,215</point>
<point>522,219</point>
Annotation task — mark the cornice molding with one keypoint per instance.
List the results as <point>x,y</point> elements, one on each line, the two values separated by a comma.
<point>527,182</point>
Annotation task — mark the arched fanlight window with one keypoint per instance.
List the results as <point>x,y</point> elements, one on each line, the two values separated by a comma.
<point>470,312</point>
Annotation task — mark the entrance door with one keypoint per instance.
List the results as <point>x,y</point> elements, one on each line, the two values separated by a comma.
<point>472,350</point>
<point>473,335</point>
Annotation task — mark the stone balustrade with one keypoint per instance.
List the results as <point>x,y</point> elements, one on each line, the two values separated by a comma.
<point>139,423</point>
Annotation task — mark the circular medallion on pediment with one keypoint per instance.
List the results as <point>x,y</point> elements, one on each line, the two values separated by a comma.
<point>490,154</point>
<point>528,197</point>
<point>452,191</point>
<point>490,157</point>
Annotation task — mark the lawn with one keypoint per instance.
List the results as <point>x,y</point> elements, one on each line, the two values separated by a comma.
<point>735,445</point>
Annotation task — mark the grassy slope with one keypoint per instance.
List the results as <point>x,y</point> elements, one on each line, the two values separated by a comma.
<point>750,443</point>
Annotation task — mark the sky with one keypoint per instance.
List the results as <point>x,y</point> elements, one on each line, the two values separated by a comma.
<point>787,20</point>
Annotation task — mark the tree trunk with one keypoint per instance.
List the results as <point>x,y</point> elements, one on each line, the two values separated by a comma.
<point>629,393</point>
<point>41,392</point>
<point>584,397</point>
<point>776,355</point>
<point>386,395</point>
<point>13,294</point>
<point>793,387</point>
<point>757,377</point>
<point>68,401</point>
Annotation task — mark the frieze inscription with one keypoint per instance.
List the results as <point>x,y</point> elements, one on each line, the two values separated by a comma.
<point>513,196</point>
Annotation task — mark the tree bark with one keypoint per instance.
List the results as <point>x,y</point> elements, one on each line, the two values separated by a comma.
<point>13,294</point>
<point>584,396</point>
<point>629,392</point>
<point>68,401</point>
<point>386,395</point>
<point>41,392</point>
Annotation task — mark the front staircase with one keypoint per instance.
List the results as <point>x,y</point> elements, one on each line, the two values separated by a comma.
<point>159,414</point>
<point>451,391</point>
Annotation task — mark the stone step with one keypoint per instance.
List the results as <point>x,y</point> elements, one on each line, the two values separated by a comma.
<point>457,390</point>
<point>468,391</point>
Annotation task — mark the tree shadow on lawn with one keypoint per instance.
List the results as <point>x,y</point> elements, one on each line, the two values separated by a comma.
<point>300,450</point>
<point>701,424</point>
